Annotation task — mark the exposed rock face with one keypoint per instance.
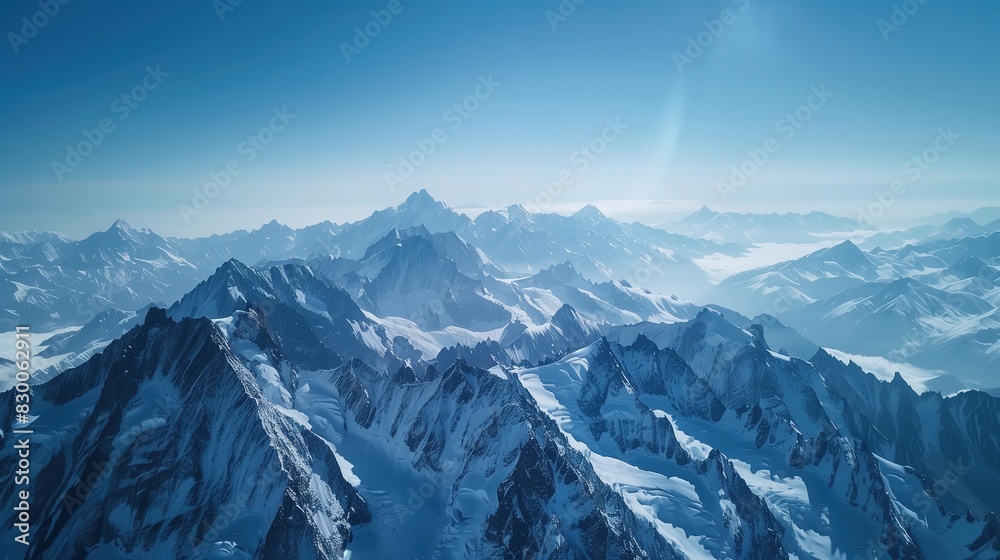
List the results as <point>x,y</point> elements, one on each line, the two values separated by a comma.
<point>166,443</point>
<point>267,415</point>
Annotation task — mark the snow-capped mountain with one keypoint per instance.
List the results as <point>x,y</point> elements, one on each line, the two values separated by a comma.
<point>939,438</point>
<point>417,276</point>
<point>920,304</point>
<point>748,229</point>
<point>600,248</point>
<point>439,289</point>
<point>52,282</point>
<point>470,479</point>
<point>74,347</point>
<point>566,331</point>
<point>201,438</point>
<point>908,320</point>
<point>982,215</point>
<point>270,241</point>
<point>954,228</point>
<point>830,409</point>
<point>789,285</point>
<point>174,443</point>
<point>419,384</point>
<point>614,302</point>
<point>315,322</point>
<point>426,292</point>
<point>419,209</point>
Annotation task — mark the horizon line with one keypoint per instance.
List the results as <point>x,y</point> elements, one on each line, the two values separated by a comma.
<point>473,210</point>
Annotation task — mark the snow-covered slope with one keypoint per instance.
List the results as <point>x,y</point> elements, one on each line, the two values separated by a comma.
<point>421,385</point>
<point>932,305</point>
<point>464,466</point>
<point>782,287</point>
<point>316,322</point>
<point>683,440</point>
<point>614,302</point>
<point>51,282</point>
<point>175,443</point>
<point>601,248</point>
<point>780,426</point>
<point>416,276</point>
<point>910,321</point>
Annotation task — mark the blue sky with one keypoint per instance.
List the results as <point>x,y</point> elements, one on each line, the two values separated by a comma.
<point>557,81</point>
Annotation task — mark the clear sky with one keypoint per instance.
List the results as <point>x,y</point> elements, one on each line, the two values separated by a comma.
<point>199,78</point>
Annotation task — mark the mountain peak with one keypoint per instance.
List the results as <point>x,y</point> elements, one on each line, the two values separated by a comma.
<point>395,237</point>
<point>899,381</point>
<point>712,320</point>
<point>963,222</point>
<point>156,316</point>
<point>121,224</point>
<point>274,227</point>
<point>974,267</point>
<point>708,313</point>
<point>846,252</point>
<point>567,320</point>
<point>702,215</point>
<point>123,228</point>
<point>233,268</point>
<point>904,283</point>
<point>517,212</point>
<point>120,231</point>
<point>557,274</point>
<point>419,230</point>
<point>420,199</point>
<point>846,245</point>
<point>589,213</point>
<point>565,315</point>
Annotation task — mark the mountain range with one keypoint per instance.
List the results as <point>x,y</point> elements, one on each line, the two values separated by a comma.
<point>421,384</point>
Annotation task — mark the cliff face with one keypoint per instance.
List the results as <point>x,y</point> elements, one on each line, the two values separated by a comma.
<point>267,416</point>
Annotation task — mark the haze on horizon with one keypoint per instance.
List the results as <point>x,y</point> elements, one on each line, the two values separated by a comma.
<point>667,215</point>
<point>847,94</point>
